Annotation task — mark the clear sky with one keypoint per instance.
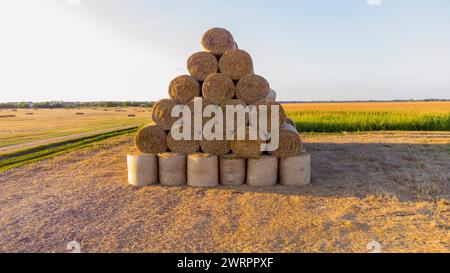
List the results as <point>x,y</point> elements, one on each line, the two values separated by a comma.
<point>84,50</point>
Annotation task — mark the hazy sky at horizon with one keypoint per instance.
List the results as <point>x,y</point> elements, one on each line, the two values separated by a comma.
<point>85,50</point>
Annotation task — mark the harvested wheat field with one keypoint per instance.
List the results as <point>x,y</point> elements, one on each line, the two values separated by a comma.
<point>389,188</point>
<point>50,125</point>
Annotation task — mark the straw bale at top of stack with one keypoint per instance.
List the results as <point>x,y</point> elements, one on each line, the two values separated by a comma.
<point>218,41</point>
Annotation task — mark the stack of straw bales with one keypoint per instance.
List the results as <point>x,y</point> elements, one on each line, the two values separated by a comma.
<point>222,75</point>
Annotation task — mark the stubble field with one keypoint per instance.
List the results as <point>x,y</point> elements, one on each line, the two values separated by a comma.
<point>18,127</point>
<point>389,189</point>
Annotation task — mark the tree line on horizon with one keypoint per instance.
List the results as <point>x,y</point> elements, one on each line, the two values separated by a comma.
<point>64,104</point>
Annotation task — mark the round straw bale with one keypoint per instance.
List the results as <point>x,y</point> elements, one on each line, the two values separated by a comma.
<point>218,41</point>
<point>172,169</point>
<point>202,170</point>
<point>269,103</point>
<point>182,146</point>
<point>232,170</point>
<point>236,63</point>
<point>205,103</point>
<point>246,148</point>
<point>262,171</point>
<point>202,64</point>
<point>233,102</point>
<point>184,88</point>
<point>252,88</point>
<point>218,88</point>
<point>215,147</point>
<point>290,143</point>
<point>162,113</point>
<point>142,169</point>
<point>295,171</point>
<point>151,140</point>
<point>272,95</point>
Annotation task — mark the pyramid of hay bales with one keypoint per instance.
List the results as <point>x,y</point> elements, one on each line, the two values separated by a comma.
<point>221,75</point>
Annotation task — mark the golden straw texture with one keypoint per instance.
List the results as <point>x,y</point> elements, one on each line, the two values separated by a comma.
<point>218,41</point>
<point>218,88</point>
<point>252,89</point>
<point>202,64</point>
<point>236,63</point>
<point>184,88</point>
<point>151,140</point>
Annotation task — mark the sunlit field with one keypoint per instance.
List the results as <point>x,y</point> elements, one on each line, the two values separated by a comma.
<point>25,125</point>
<point>366,116</point>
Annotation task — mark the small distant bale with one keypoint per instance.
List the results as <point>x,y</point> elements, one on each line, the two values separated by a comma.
<point>131,115</point>
<point>236,63</point>
<point>151,140</point>
<point>79,113</point>
<point>252,88</point>
<point>202,64</point>
<point>218,41</point>
<point>162,113</point>
<point>218,88</point>
<point>29,114</point>
<point>184,88</point>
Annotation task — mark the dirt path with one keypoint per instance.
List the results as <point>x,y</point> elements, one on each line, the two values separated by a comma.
<point>36,143</point>
<point>365,190</point>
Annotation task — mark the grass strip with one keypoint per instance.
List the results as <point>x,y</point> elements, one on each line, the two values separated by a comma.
<point>20,158</point>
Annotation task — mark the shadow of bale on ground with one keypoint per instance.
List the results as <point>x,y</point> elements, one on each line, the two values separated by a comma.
<point>408,172</point>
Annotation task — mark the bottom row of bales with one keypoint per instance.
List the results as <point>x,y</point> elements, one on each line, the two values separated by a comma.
<point>205,170</point>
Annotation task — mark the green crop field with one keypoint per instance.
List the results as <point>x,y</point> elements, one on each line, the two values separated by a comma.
<point>351,117</point>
